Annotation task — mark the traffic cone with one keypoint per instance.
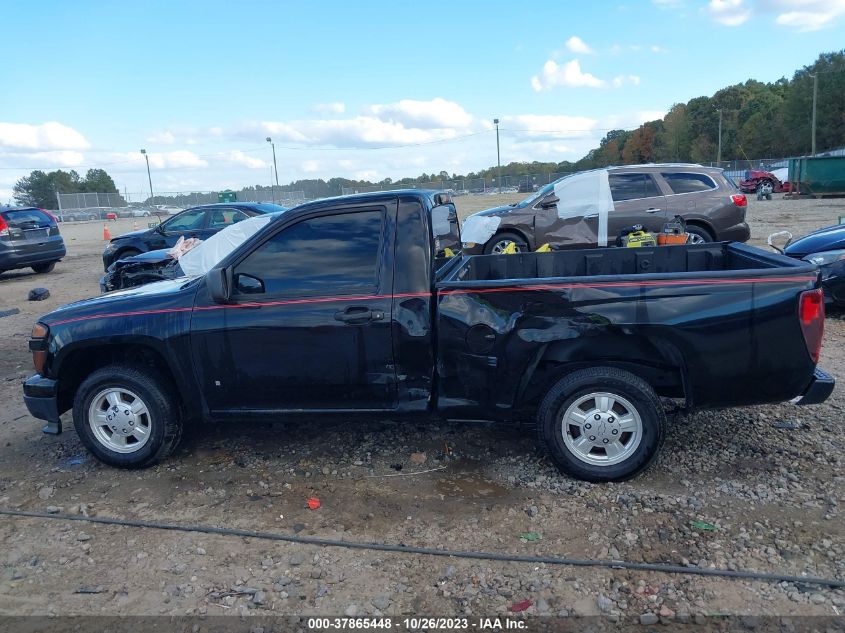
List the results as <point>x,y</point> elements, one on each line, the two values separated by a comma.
<point>106,234</point>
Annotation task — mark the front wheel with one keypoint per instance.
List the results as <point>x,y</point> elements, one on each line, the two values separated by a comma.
<point>601,424</point>
<point>126,417</point>
<point>499,242</point>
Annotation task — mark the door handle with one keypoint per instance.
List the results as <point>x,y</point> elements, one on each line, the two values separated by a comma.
<point>592,215</point>
<point>652,210</point>
<point>358,314</point>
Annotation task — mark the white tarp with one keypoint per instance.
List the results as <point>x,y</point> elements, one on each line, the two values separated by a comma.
<point>584,195</point>
<point>479,228</point>
<point>207,255</point>
<point>781,174</point>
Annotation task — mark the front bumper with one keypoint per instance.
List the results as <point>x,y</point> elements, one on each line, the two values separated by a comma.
<point>40,395</point>
<point>821,386</point>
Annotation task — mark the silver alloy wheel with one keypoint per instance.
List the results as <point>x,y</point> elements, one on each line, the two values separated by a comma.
<point>501,245</point>
<point>602,429</point>
<point>119,420</point>
<point>695,238</point>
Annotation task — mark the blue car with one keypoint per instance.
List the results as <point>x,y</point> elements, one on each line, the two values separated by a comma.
<point>200,222</point>
<point>826,249</point>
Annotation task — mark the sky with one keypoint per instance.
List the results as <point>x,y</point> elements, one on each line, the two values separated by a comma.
<point>365,90</point>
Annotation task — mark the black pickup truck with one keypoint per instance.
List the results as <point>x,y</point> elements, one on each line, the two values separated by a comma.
<point>363,304</point>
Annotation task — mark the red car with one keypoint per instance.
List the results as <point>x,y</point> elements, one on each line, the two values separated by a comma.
<point>754,178</point>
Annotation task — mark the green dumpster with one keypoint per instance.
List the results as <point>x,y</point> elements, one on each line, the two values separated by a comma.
<point>227,196</point>
<point>818,175</point>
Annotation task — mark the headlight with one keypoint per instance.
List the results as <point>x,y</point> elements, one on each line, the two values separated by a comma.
<point>38,346</point>
<point>826,258</point>
<point>111,246</point>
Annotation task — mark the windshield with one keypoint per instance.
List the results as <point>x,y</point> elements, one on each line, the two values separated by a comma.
<point>540,193</point>
<point>201,259</point>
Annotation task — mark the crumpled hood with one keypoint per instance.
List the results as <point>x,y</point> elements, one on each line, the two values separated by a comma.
<point>826,239</point>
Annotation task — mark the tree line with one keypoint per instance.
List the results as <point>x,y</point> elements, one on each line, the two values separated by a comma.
<point>39,189</point>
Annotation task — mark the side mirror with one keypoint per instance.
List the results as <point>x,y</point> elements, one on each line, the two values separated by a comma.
<point>248,285</point>
<point>549,203</point>
<point>217,280</point>
<point>442,198</point>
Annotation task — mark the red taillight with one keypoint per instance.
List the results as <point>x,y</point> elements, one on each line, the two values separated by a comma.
<point>739,199</point>
<point>811,316</point>
<point>4,228</point>
<point>52,217</point>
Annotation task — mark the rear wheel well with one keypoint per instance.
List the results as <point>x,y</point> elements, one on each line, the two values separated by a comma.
<point>701,224</point>
<point>81,363</point>
<point>667,381</point>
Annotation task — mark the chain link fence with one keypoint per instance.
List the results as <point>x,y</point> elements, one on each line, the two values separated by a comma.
<point>77,207</point>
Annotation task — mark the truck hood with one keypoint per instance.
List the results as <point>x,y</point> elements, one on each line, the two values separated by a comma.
<point>827,239</point>
<point>170,294</point>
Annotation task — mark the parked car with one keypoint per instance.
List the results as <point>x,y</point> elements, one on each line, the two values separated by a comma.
<point>650,195</point>
<point>755,179</point>
<point>29,238</point>
<point>352,305</point>
<point>152,266</point>
<point>826,249</point>
<point>201,222</point>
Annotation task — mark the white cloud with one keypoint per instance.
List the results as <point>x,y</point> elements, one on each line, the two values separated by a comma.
<point>621,80</point>
<point>668,4</point>
<point>729,12</point>
<point>548,126</point>
<point>436,113</point>
<point>809,15</point>
<point>336,107</point>
<point>50,135</point>
<point>310,166</point>
<point>238,157</point>
<point>577,45</point>
<point>175,159</point>
<point>657,49</point>
<point>569,75</point>
<point>162,138</point>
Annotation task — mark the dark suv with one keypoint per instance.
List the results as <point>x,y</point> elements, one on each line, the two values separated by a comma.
<point>29,238</point>
<point>201,222</point>
<point>710,203</point>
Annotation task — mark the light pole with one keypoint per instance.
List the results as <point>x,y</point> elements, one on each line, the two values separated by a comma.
<point>815,96</point>
<point>149,177</point>
<point>275,168</point>
<point>719,151</point>
<point>498,156</point>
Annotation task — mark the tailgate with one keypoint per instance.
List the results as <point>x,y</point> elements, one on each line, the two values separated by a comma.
<point>29,229</point>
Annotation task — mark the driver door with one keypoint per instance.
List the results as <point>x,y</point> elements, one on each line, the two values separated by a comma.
<point>190,223</point>
<point>308,326</point>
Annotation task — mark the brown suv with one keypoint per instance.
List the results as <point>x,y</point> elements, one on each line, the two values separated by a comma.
<point>711,204</point>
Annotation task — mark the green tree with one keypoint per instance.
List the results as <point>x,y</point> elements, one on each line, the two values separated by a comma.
<point>98,181</point>
<point>39,188</point>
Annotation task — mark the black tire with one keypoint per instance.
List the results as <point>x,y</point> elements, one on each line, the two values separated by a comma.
<point>609,380</point>
<point>165,416</point>
<point>505,236</point>
<point>44,268</point>
<point>700,232</point>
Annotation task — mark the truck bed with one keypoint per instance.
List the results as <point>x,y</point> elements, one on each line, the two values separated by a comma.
<point>696,260</point>
<point>714,324</point>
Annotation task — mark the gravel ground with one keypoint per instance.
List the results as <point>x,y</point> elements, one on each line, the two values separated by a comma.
<point>767,483</point>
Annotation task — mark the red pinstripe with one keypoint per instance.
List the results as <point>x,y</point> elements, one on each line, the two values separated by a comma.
<point>456,291</point>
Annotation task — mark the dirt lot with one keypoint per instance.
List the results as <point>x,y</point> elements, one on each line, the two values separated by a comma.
<point>769,479</point>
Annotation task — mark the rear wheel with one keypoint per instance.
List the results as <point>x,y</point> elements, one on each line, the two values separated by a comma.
<point>601,424</point>
<point>127,417</point>
<point>698,235</point>
<point>499,242</point>
<point>44,268</point>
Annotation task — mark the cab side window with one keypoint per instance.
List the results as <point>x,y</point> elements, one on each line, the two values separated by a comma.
<point>632,187</point>
<point>329,255</point>
<point>221,218</point>
<point>685,182</point>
